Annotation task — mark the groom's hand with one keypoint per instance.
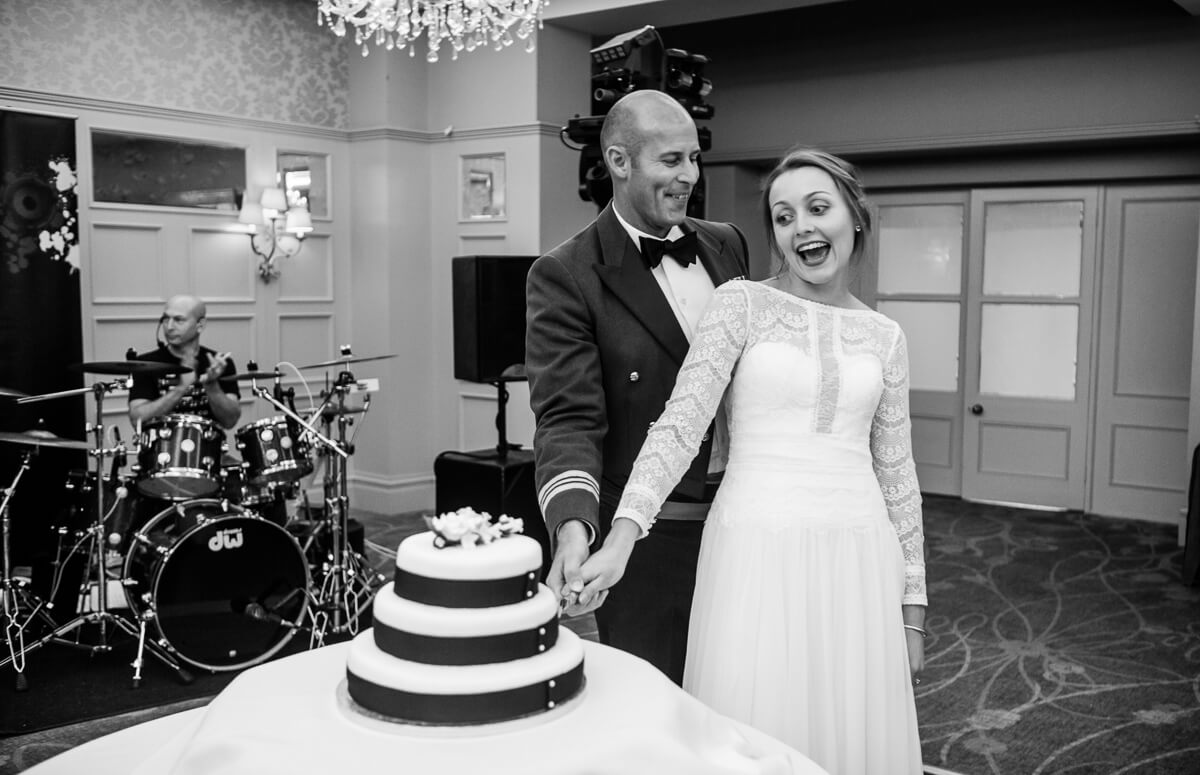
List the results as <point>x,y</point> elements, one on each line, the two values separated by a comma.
<point>570,552</point>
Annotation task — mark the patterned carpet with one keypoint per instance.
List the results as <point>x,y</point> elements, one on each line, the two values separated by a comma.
<point>1060,643</point>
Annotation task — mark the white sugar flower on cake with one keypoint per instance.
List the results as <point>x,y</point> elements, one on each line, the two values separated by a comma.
<point>468,527</point>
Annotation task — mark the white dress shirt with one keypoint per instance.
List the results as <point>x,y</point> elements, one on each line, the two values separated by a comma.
<point>688,289</point>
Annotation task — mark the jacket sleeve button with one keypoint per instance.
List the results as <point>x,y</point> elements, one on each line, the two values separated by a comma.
<point>634,376</point>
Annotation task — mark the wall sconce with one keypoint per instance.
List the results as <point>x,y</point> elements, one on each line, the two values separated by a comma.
<point>284,229</point>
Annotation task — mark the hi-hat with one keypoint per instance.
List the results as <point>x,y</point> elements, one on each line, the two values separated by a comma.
<point>38,438</point>
<point>10,393</point>
<point>129,367</point>
<point>343,361</point>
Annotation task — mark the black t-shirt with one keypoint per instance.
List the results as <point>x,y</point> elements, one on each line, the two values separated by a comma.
<point>146,386</point>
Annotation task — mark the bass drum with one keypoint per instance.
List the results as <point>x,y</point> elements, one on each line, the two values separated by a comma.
<point>224,588</point>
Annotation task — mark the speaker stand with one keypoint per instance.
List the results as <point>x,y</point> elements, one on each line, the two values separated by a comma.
<point>498,480</point>
<point>514,373</point>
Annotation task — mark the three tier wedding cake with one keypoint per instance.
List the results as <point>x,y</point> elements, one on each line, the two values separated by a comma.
<point>465,633</point>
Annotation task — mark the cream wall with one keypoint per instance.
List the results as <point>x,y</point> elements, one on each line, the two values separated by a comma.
<point>263,60</point>
<point>263,76</point>
<point>423,118</point>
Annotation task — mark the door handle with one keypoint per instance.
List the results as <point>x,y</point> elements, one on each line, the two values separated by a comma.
<point>976,409</point>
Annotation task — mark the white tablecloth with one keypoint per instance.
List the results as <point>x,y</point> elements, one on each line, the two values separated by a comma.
<point>292,716</point>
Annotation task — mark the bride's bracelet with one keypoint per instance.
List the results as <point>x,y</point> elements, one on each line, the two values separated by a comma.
<point>915,628</point>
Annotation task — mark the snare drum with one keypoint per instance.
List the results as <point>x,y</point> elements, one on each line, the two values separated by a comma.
<point>179,457</point>
<point>274,450</point>
<point>222,587</point>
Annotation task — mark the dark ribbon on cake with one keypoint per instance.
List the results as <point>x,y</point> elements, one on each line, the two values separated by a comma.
<point>433,650</point>
<point>462,709</point>
<point>455,593</point>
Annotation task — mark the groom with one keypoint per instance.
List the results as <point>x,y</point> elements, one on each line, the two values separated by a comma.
<point>610,314</point>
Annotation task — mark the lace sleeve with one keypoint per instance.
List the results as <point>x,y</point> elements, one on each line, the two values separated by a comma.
<point>891,451</point>
<point>675,437</point>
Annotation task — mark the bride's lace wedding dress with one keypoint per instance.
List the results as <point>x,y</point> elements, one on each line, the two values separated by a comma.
<point>814,539</point>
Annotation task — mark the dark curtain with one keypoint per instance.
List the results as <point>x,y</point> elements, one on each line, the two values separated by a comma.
<point>40,326</point>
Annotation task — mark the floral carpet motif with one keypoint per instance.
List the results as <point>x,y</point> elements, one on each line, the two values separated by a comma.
<point>1059,643</point>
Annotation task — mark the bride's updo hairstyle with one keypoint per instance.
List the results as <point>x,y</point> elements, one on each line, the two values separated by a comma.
<point>845,177</point>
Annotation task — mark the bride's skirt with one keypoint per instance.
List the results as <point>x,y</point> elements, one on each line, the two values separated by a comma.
<point>796,624</point>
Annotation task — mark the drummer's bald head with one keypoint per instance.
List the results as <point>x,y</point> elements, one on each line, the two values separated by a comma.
<point>184,304</point>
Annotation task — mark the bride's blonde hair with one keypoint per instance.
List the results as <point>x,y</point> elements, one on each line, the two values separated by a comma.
<point>845,177</point>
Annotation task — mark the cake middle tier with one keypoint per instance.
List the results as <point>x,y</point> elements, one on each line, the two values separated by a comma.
<point>437,635</point>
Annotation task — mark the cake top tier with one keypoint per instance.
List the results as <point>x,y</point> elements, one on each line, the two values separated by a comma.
<point>429,554</point>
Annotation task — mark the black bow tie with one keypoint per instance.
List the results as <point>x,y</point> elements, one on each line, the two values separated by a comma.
<point>682,250</point>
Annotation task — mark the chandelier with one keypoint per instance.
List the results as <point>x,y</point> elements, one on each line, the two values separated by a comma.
<point>462,24</point>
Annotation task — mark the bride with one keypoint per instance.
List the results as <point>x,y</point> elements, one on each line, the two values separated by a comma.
<point>807,618</point>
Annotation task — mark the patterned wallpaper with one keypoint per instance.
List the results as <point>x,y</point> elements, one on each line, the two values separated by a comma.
<point>262,59</point>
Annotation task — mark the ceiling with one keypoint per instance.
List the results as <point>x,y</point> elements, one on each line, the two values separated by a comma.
<point>601,18</point>
<point>613,17</point>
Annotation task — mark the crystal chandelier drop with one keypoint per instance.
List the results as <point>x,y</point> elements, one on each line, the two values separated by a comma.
<point>462,24</point>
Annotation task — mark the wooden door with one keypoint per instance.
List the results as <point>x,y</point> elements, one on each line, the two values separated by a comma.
<point>1031,270</point>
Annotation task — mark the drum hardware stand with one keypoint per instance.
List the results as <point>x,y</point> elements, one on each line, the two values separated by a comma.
<point>16,597</point>
<point>95,542</point>
<point>319,602</point>
<point>348,581</point>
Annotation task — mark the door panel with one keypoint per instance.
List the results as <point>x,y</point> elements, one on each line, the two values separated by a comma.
<point>1030,273</point>
<point>1028,350</point>
<point>1145,350</point>
<point>917,260</point>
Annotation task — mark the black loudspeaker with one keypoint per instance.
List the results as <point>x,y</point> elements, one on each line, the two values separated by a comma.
<point>489,315</point>
<point>487,480</point>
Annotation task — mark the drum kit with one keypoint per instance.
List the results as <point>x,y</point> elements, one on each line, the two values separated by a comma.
<point>222,576</point>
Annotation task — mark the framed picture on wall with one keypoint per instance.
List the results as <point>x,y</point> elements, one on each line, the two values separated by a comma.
<point>136,169</point>
<point>483,188</point>
<point>304,177</point>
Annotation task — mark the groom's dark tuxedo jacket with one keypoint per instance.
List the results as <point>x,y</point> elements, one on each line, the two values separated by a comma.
<point>603,349</point>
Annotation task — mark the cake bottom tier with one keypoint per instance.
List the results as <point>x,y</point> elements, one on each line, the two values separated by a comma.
<point>463,694</point>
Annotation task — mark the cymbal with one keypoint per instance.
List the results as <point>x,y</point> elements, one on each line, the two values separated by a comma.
<point>42,439</point>
<point>10,393</point>
<point>129,367</point>
<point>252,375</point>
<point>344,361</point>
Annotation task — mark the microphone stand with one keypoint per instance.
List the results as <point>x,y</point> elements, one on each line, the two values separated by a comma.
<point>265,394</point>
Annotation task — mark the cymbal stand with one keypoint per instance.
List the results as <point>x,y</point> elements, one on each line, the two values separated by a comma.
<point>321,601</point>
<point>347,580</point>
<point>106,622</point>
<point>16,598</point>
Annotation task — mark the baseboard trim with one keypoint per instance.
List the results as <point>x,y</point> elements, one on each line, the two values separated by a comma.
<point>391,495</point>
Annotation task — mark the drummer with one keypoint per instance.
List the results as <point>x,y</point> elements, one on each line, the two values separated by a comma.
<point>206,390</point>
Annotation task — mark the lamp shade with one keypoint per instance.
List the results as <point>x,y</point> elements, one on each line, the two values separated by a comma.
<point>299,222</point>
<point>274,199</point>
<point>251,213</point>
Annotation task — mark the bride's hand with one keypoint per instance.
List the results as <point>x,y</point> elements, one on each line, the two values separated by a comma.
<point>607,565</point>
